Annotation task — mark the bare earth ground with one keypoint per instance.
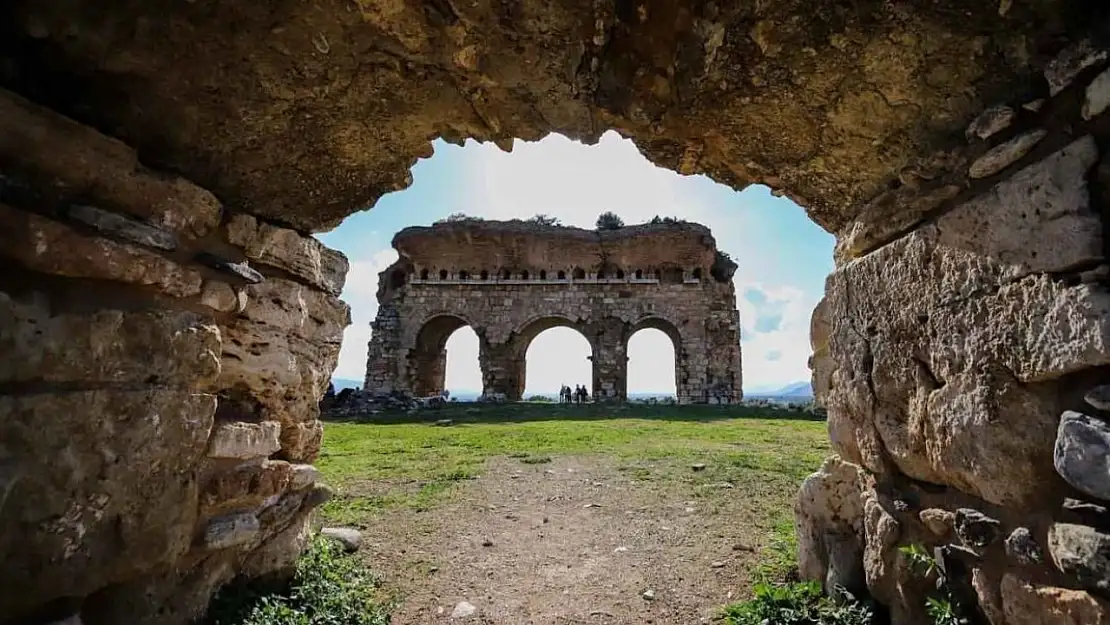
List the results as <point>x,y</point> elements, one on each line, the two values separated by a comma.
<point>573,541</point>
<point>571,521</point>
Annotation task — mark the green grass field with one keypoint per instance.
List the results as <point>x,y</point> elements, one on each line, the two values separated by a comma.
<point>378,467</point>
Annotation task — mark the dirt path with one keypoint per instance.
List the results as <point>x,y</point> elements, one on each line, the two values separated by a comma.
<point>571,541</point>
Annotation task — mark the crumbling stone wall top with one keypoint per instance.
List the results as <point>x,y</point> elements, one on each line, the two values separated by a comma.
<point>518,250</point>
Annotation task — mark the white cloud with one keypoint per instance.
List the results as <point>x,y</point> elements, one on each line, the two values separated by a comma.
<point>774,358</point>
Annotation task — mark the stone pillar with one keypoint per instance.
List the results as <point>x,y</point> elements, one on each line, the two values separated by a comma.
<point>383,357</point>
<point>502,369</point>
<point>429,370</point>
<point>609,340</point>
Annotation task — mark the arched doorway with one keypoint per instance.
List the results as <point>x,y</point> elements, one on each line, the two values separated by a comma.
<point>651,343</point>
<point>648,350</point>
<point>445,356</point>
<point>553,352</point>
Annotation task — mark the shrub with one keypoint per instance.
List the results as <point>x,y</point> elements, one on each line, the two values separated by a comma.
<point>800,603</point>
<point>544,220</point>
<point>458,218</point>
<point>609,221</point>
<point>328,588</point>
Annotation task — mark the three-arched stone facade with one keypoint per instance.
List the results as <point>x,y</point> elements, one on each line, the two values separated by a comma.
<point>408,347</point>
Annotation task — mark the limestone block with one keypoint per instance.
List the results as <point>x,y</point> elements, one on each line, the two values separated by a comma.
<point>828,520</point>
<point>1030,604</point>
<point>286,249</point>
<point>304,475</point>
<point>938,380</point>
<point>880,554</point>
<point>939,522</point>
<point>108,346</point>
<point>1097,98</point>
<point>277,555</point>
<point>1063,69</point>
<point>221,296</point>
<point>44,245</point>
<point>86,164</point>
<point>232,530</point>
<point>101,487</point>
<point>989,596</point>
<point>1098,397</point>
<point>119,226</point>
<point>975,528</point>
<point>245,487</point>
<point>991,121</point>
<point>283,348</point>
<point>1082,453</point>
<point>1023,548</point>
<point>300,442</point>
<point>1081,552</point>
<point>244,440</point>
<point>1002,156</point>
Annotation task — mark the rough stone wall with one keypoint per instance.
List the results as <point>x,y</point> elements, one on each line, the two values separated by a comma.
<point>509,281</point>
<point>162,363</point>
<point>301,113</point>
<point>950,349</point>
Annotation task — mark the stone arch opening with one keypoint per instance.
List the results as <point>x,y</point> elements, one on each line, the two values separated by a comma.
<point>657,341</point>
<point>648,349</point>
<point>566,346</point>
<point>579,273</point>
<point>430,359</point>
<point>562,275</point>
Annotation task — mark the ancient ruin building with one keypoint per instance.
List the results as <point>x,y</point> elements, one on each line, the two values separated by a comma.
<point>168,324</point>
<point>509,281</point>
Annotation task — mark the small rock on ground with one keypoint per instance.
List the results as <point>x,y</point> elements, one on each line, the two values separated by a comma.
<point>463,609</point>
<point>649,595</point>
<point>347,537</point>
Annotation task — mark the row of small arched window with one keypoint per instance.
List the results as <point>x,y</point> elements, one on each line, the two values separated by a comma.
<point>578,274</point>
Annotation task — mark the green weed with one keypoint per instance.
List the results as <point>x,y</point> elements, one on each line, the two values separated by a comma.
<point>329,588</point>
<point>800,603</point>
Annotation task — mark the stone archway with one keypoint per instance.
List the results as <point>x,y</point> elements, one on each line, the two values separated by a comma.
<point>682,380</point>
<point>527,332</point>
<point>153,229</point>
<point>427,359</point>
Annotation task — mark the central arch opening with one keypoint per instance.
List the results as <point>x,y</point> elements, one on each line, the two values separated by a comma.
<point>553,353</point>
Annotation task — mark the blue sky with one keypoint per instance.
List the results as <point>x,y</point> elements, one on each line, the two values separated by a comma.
<point>783,256</point>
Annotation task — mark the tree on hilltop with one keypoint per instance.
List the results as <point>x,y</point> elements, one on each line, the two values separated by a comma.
<point>609,221</point>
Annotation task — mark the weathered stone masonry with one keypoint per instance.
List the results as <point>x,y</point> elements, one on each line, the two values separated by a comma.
<point>162,363</point>
<point>510,281</point>
<point>964,325</point>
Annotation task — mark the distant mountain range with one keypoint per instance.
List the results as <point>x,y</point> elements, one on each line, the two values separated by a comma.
<point>800,390</point>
